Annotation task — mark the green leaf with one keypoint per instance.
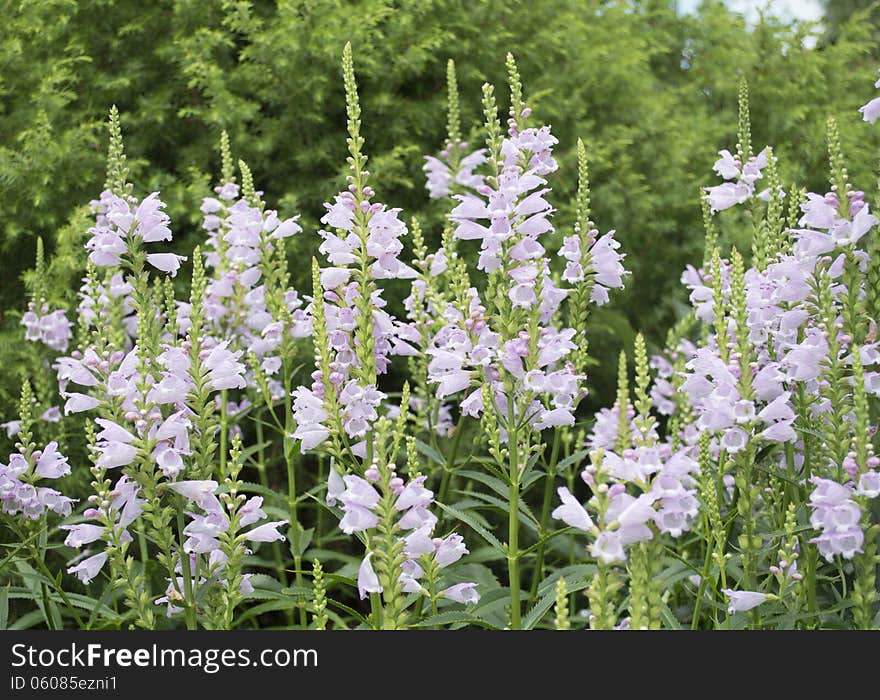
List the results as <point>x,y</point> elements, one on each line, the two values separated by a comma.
<point>497,485</point>
<point>454,617</point>
<point>300,540</point>
<point>668,617</point>
<point>4,608</point>
<point>430,453</point>
<point>571,459</point>
<point>469,519</point>
<point>546,601</point>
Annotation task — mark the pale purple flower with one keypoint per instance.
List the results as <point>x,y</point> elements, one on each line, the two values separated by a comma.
<point>358,501</point>
<point>152,222</point>
<point>309,414</point>
<point>419,542</point>
<point>608,548</point>
<point>112,432</point>
<point>871,111</point>
<point>224,369</point>
<point>740,601</point>
<point>115,454</point>
<point>51,415</point>
<point>607,267</point>
<point>837,517</point>
<point>869,484</point>
<point>571,512</point>
<point>12,428</point>
<point>450,550</point>
<point>465,593</point>
<point>267,532</point>
<point>367,581</point>
<point>88,568</point>
<point>414,495</point>
<point>251,511</point>
<point>81,534</point>
<point>335,487</point>
<point>439,177</point>
<point>52,329</point>
<point>196,491</point>
<point>51,464</point>
<point>166,262</point>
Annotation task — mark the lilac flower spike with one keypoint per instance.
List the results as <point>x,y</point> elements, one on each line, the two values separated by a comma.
<point>837,517</point>
<point>118,220</point>
<point>21,491</point>
<point>741,178</point>
<point>51,329</point>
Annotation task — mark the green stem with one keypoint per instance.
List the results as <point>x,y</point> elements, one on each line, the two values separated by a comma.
<point>549,483</point>
<point>450,462</point>
<point>189,602</point>
<point>290,461</point>
<point>376,607</point>
<point>39,560</point>
<point>513,527</point>
<point>224,430</point>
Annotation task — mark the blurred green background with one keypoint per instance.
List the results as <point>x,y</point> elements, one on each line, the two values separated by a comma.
<point>651,89</point>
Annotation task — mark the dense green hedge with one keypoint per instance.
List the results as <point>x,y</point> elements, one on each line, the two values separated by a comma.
<point>651,92</point>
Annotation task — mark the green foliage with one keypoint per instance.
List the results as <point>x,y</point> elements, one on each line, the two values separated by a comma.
<point>653,95</point>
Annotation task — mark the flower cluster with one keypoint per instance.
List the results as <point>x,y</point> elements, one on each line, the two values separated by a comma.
<point>741,178</point>
<point>442,174</point>
<point>50,328</point>
<point>120,220</point>
<point>667,499</point>
<point>114,515</point>
<point>243,239</point>
<point>367,236</point>
<point>21,489</point>
<point>359,500</point>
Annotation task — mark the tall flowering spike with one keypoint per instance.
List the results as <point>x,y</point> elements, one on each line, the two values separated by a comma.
<point>451,170</point>
<point>227,162</point>
<point>643,402</point>
<point>248,189</point>
<point>582,202</point>
<point>741,170</point>
<point>710,236</point>
<point>357,160</point>
<point>622,441</point>
<point>577,252</point>
<point>494,135</point>
<point>362,247</point>
<point>37,286</point>
<point>23,489</point>
<point>123,225</point>
<point>518,113</point>
<point>117,168</point>
<point>744,123</point>
<point>839,175</point>
<point>453,113</point>
<point>720,293</point>
<point>403,556</point>
<point>766,238</point>
<point>51,328</point>
<point>740,311</point>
